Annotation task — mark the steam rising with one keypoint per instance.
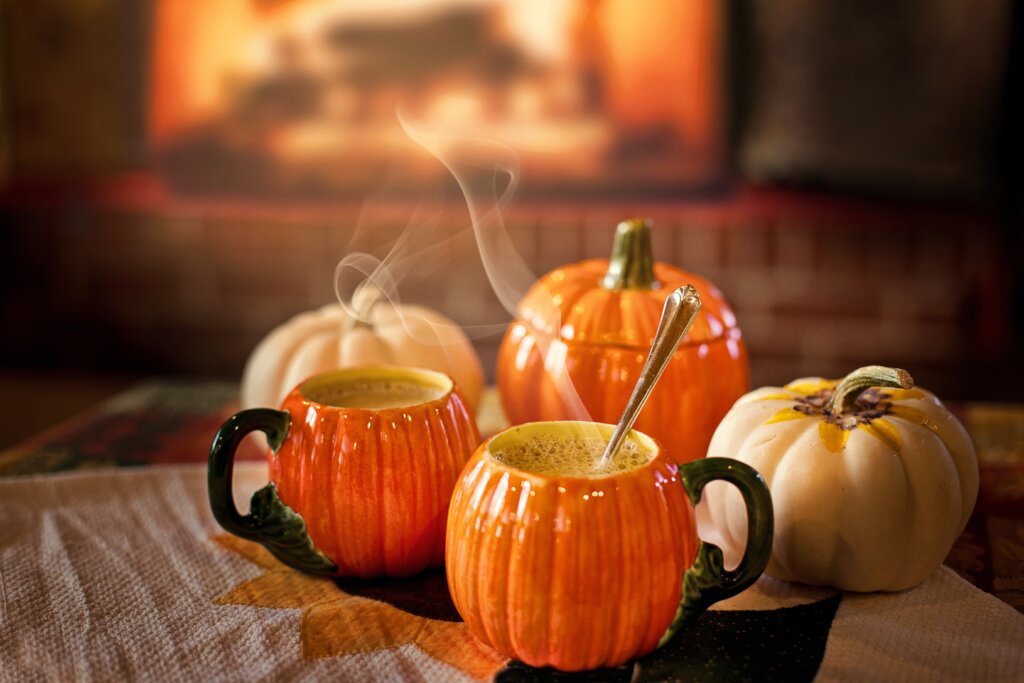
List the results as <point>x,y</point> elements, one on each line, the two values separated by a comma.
<point>480,167</point>
<point>476,164</point>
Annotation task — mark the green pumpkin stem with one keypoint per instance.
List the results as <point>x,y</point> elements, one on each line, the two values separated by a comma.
<point>631,265</point>
<point>845,395</point>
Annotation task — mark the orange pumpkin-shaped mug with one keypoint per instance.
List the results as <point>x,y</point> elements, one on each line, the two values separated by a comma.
<point>584,330</point>
<point>362,466</point>
<point>560,568</point>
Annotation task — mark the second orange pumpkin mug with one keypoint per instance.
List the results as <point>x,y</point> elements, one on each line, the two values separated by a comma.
<point>362,464</point>
<point>556,567</point>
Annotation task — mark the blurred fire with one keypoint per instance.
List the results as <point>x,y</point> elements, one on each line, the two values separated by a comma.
<point>302,94</point>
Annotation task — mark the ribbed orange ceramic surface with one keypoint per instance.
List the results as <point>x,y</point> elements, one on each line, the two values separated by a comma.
<point>572,573</point>
<point>374,486</point>
<point>569,327</point>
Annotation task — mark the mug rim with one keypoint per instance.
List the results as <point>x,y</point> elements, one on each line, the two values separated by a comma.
<point>645,441</point>
<point>418,375</point>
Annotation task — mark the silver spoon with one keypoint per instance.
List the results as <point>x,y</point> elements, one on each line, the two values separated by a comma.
<point>681,308</point>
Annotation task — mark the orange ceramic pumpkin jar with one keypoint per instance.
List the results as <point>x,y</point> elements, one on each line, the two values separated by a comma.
<point>582,333</point>
<point>362,465</point>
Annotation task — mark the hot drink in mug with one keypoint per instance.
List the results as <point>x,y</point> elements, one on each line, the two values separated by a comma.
<point>362,465</point>
<point>558,558</point>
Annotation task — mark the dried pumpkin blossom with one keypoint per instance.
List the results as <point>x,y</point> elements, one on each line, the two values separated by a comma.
<point>862,401</point>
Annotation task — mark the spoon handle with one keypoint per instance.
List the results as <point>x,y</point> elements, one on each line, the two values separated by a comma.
<point>681,308</point>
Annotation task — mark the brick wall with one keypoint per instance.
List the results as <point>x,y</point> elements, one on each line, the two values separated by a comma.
<point>819,287</point>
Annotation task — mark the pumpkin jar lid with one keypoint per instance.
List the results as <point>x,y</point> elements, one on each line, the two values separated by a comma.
<point>618,301</point>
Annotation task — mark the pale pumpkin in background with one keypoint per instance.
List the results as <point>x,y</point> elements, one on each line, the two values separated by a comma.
<point>386,334</point>
<point>872,479</point>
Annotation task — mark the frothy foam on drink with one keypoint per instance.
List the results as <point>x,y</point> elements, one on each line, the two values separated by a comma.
<point>374,395</point>
<point>571,456</point>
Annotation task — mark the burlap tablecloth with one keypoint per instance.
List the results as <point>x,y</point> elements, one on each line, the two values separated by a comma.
<point>124,575</point>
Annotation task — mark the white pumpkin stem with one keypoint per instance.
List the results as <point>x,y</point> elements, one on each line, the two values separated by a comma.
<point>364,300</point>
<point>845,395</point>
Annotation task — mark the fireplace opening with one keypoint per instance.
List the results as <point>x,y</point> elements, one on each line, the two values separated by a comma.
<point>300,97</point>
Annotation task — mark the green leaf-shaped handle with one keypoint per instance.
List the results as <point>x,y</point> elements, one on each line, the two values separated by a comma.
<point>708,581</point>
<point>270,522</point>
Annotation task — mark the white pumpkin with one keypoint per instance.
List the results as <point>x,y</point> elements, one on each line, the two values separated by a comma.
<point>872,480</point>
<point>331,338</point>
